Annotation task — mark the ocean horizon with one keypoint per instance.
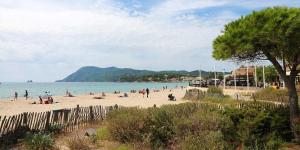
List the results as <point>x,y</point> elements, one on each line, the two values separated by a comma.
<point>35,89</point>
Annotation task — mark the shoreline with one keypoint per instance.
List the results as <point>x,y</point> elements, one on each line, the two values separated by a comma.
<point>8,89</point>
<point>9,107</point>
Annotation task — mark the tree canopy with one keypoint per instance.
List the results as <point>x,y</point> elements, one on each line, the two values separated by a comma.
<point>272,34</point>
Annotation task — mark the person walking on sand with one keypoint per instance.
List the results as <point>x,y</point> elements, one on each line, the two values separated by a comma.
<point>16,96</point>
<point>26,94</point>
<point>147,91</point>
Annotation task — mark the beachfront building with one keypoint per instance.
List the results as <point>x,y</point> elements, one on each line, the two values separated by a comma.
<point>241,76</point>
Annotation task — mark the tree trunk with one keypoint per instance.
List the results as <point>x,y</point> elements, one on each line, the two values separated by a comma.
<point>294,110</point>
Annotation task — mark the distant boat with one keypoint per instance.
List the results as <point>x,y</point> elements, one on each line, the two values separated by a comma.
<point>29,81</point>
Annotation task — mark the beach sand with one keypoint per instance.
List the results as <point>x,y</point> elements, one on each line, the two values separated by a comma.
<point>9,107</point>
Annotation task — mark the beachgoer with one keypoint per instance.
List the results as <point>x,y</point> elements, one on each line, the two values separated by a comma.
<point>50,100</point>
<point>16,96</point>
<point>26,94</point>
<point>103,94</point>
<point>171,97</point>
<point>147,91</point>
<point>41,100</point>
<point>143,92</point>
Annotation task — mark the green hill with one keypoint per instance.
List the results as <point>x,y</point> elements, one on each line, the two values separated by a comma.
<point>113,74</point>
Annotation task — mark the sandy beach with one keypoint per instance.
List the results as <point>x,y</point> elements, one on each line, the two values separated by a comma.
<point>9,107</point>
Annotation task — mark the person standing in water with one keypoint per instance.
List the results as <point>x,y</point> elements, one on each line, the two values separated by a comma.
<point>16,96</point>
<point>26,94</point>
<point>147,91</point>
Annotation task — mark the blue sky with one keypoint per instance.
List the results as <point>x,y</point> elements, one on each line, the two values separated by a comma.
<point>45,40</point>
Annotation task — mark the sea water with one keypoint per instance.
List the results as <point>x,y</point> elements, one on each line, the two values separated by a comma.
<point>7,90</point>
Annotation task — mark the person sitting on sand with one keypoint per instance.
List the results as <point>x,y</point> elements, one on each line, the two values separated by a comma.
<point>125,95</point>
<point>50,100</point>
<point>171,97</point>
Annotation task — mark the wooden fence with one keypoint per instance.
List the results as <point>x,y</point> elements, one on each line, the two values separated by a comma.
<point>66,119</point>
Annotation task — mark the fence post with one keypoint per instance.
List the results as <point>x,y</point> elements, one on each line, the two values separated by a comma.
<point>25,119</point>
<point>47,125</point>
<point>91,114</point>
<point>76,114</point>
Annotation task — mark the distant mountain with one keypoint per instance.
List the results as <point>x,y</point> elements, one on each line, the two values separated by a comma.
<point>113,74</point>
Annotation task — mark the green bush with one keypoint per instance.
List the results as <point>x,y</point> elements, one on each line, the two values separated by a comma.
<point>159,128</point>
<point>271,94</point>
<point>127,124</point>
<point>257,128</point>
<point>180,110</point>
<point>202,120</point>
<point>103,133</point>
<point>206,140</point>
<point>213,91</point>
<point>195,126</point>
<point>38,141</point>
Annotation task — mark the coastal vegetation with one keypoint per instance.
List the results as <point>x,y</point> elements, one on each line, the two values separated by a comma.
<point>189,126</point>
<point>270,34</point>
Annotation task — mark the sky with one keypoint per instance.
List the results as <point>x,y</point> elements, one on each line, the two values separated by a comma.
<point>46,40</point>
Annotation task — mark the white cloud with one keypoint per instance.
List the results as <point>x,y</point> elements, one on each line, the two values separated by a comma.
<point>39,36</point>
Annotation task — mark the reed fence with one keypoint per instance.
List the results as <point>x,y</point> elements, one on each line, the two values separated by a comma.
<point>12,127</point>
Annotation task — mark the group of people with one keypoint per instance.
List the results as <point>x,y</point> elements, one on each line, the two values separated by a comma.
<point>26,95</point>
<point>48,100</point>
<point>147,91</point>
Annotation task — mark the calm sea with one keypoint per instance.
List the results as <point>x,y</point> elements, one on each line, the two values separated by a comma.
<point>59,88</point>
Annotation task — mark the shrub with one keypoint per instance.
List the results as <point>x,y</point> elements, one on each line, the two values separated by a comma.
<point>78,143</point>
<point>39,141</point>
<point>103,133</point>
<point>213,91</point>
<point>127,124</point>
<point>207,140</point>
<point>257,128</point>
<point>202,120</point>
<point>180,110</point>
<point>271,94</point>
<point>159,128</point>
